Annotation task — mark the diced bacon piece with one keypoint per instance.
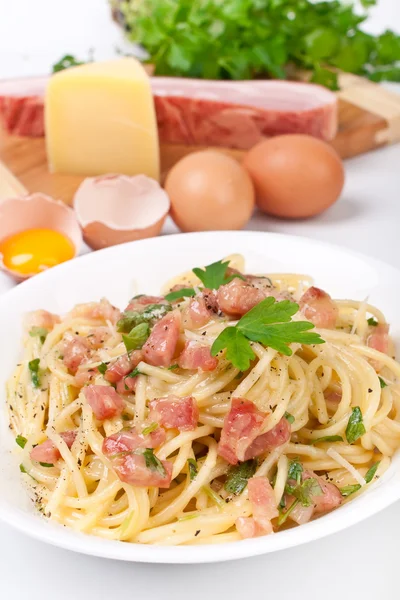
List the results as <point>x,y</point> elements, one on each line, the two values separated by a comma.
<point>75,352</point>
<point>130,440</point>
<point>98,336</point>
<point>104,401</point>
<point>248,527</point>
<point>318,307</point>
<point>123,365</point>
<point>237,297</point>
<point>196,356</point>
<point>266,442</point>
<point>197,314</point>
<point>126,385</point>
<point>141,302</point>
<point>102,310</point>
<point>331,497</point>
<point>299,514</point>
<point>241,427</point>
<point>262,497</point>
<point>132,469</point>
<point>173,412</point>
<point>41,318</point>
<point>240,436</point>
<point>47,452</point>
<point>378,338</point>
<point>84,377</point>
<point>160,347</point>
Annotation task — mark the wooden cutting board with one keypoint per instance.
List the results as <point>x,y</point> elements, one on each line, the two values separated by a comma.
<point>369,118</point>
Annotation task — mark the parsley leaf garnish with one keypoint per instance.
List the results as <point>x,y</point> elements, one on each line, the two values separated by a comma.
<point>46,464</point>
<point>372,322</point>
<point>102,368</point>
<point>22,469</point>
<point>39,332</point>
<point>306,491</point>
<point>178,294</point>
<point>193,468</point>
<point>134,373</point>
<point>295,470</point>
<point>347,490</point>
<point>131,318</point>
<point>153,462</point>
<point>214,275</point>
<point>327,438</point>
<point>150,428</point>
<point>33,367</point>
<point>370,474</point>
<point>66,62</point>
<point>21,441</point>
<point>355,427</point>
<point>382,383</point>
<point>239,475</point>
<point>268,323</point>
<point>136,337</point>
<point>173,367</point>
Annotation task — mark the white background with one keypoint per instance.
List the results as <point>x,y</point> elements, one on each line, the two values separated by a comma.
<point>361,562</point>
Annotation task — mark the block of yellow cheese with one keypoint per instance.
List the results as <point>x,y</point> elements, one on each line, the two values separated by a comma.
<point>100,118</point>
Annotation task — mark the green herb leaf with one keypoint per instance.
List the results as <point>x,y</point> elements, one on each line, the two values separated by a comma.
<point>134,373</point>
<point>152,313</point>
<point>22,469</point>
<point>290,418</point>
<point>306,491</point>
<point>213,495</point>
<point>267,323</point>
<point>33,366</point>
<point>126,417</point>
<point>193,468</point>
<point>150,428</point>
<point>44,464</point>
<point>355,427</point>
<point>102,368</point>
<point>21,441</point>
<point>238,348</point>
<point>136,337</point>
<point>39,332</point>
<point>347,490</point>
<point>152,462</point>
<point>370,474</point>
<point>382,383</point>
<point>372,322</point>
<point>239,475</point>
<point>214,275</point>
<point>327,438</point>
<point>295,470</point>
<point>284,515</point>
<point>183,293</point>
<point>66,62</point>
<point>173,367</point>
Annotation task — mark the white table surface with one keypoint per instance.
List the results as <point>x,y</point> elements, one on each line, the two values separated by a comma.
<point>360,562</point>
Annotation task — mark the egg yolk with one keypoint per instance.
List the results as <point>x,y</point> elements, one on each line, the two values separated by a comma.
<point>34,250</point>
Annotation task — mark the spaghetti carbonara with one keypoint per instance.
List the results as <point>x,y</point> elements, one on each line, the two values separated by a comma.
<point>230,406</point>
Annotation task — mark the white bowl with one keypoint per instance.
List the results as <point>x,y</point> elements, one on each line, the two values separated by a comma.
<point>122,271</point>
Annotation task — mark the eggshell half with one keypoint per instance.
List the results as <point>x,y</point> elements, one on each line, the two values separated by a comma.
<point>113,209</point>
<point>37,211</point>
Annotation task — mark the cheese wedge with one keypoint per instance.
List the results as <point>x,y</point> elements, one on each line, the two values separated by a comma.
<point>100,118</point>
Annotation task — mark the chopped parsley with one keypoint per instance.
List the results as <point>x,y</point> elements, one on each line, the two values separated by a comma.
<point>22,469</point>
<point>21,441</point>
<point>66,62</point>
<point>327,438</point>
<point>269,323</point>
<point>193,468</point>
<point>132,318</point>
<point>136,337</point>
<point>239,475</point>
<point>347,490</point>
<point>372,322</point>
<point>370,474</point>
<point>39,332</point>
<point>213,495</point>
<point>33,366</point>
<point>102,368</point>
<point>150,428</point>
<point>295,470</point>
<point>355,427</point>
<point>44,464</point>
<point>152,462</point>
<point>134,373</point>
<point>173,367</point>
<point>178,294</point>
<point>290,418</point>
<point>382,383</point>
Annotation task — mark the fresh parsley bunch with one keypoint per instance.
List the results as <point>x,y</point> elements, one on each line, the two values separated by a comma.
<point>243,39</point>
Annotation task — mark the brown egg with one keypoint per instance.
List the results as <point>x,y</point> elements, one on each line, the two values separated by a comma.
<point>209,191</point>
<point>295,176</point>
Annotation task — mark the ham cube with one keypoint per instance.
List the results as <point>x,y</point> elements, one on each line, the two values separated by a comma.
<point>104,401</point>
<point>173,412</point>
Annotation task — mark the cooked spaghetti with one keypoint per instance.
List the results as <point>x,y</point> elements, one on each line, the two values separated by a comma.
<point>231,406</point>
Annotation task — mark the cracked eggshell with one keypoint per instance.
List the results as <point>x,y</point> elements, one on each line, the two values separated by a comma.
<point>113,209</point>
<point>37,211</point>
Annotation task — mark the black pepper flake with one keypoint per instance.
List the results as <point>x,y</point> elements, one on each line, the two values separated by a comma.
<point>369,390</point>
<point>197,533</point>
<point>11,408</point>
